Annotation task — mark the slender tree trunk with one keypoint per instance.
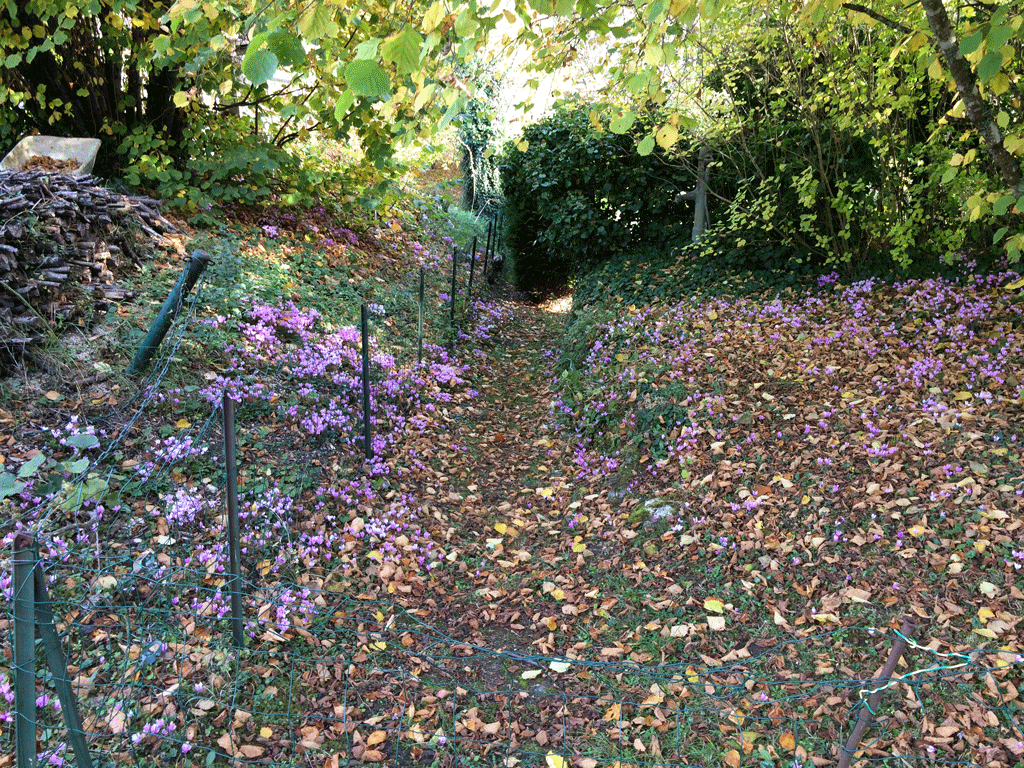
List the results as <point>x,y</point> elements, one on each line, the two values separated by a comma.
<point>967,85</point>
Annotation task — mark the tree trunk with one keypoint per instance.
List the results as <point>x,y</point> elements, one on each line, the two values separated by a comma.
<point>967,85</point>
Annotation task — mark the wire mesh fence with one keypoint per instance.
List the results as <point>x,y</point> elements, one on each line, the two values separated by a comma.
<point>130,610</point>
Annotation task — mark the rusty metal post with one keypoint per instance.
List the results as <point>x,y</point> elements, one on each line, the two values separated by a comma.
<point>867,710</point>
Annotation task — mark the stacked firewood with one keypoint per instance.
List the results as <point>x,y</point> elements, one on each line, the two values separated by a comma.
<point>63,241</point>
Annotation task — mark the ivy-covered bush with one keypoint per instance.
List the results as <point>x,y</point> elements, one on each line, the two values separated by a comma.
<point>576,195</point>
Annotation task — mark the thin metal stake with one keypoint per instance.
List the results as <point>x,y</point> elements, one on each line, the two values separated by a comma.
<point>24,652</point>
<point>58,664</point>
<point>367,430</point>
<point>472,268</point>
<point>487,247</point>
<point>455,274</point>
<point>419,327</point>
<point>234,558</point>
<point>868,710</point>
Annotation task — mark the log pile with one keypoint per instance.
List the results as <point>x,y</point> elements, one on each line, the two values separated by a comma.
<point>63,241</point>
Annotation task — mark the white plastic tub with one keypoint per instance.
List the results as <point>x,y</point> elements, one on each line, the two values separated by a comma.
<point>56,147</point>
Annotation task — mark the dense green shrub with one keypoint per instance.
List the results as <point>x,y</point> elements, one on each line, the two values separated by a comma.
<point>836,154</point>
<point>576,195</point>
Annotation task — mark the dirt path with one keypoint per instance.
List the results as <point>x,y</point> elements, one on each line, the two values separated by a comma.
<point>504,509</point>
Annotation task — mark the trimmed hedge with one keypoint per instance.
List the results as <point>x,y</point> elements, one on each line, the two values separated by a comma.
<point>575,196</point>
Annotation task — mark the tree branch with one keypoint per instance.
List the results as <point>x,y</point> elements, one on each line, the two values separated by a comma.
<point>967,85</point>
<point>891,23</point>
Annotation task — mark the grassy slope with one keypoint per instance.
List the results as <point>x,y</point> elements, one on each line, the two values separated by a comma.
<point>821,464</point>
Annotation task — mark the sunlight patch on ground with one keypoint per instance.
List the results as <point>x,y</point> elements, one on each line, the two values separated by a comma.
<point>559,305</point>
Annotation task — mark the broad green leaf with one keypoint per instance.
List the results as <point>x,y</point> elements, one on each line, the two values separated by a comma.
<point>1004,204</point>
<point>344,104</point>
<point>366,78</point>
<point>990,65</point>
<point>83,440</point>
<point>999,235</point>
<point>465,24</point>
<point>30,466</point>
<point>998,37</point>
<point>449,115</point>
<point>623,123</point>
<point>403,49</point>
<point>646,146</point>
<point>999,84</point>
<point>970,43</point>
<point>317,22</point>
<point>9,485</point>
<point>78,467</point>
<point>565,7</point>
<point>368,48</point>
<point>259,66</point>
<point>287,47</point>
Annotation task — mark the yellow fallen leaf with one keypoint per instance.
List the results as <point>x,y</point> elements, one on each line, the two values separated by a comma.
<point>558,594</point>
<point>531,673</point>
<point>621,357</point>
<point>551,623</point>
<point>787,742</point>
<point>732,758</point>
<point>1015,285</point>
<point>984,614</point>
<point>500,527</point>
<point>713,604</point>
<point>988,589</point>
<point>266,732</point>
<point>183,423</point>
<point>826,617</point>
<point>691,675</point>
<point>554,761</point>
<point>380,645</point>
<point>376,738</point>
<point>560,666</point>
<point>712,315</point>
<point>716,623</point>
<point>545,492</point>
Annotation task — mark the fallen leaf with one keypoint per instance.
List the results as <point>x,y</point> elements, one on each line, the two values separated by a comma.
<point>713,604</point>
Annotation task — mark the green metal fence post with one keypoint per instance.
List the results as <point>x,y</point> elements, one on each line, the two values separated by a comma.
<point>58,664</point>
<point>193,269</point>
<point>234,544</point>
<point>24,652</point>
